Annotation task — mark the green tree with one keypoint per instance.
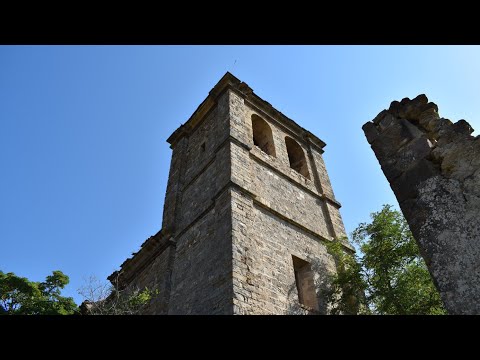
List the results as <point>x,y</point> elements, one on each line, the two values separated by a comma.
<point>20,296</point>
<point>345,290</point>
<point>389,271</point>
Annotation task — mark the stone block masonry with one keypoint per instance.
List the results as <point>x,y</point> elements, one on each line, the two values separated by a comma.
<point>248,209</point>
<point>433,167</point>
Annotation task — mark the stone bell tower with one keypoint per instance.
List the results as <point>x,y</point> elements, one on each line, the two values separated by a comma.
<point>248,210</point>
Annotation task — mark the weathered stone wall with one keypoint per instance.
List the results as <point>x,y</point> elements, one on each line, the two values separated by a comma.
<point>234,216</point>
<point>263,245</point>
<point>202,280</point>
<point>197,222</point>
<point>272,178</point>
<point>201,277</point>
<point>287,197</point>
<point>277,213</point>
<point>433,167</point>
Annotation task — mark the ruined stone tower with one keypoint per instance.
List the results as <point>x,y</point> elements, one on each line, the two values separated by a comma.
<point>433,167</point>
<point>248,210</point>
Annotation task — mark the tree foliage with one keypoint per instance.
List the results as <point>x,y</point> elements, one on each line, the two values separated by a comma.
<point>388,276</point>
<point>20,296</point>
<point>345,289</point>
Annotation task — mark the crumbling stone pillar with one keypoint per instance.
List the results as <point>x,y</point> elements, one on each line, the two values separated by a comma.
<point>433,167</point>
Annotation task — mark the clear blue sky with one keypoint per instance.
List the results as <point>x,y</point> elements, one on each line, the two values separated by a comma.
<point>83,157</point>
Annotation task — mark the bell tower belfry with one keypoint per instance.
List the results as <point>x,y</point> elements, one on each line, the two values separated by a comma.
<point>248,210</point>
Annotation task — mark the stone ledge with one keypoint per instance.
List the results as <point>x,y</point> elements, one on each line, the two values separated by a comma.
<point>322,197</point>
<point>261,202</point>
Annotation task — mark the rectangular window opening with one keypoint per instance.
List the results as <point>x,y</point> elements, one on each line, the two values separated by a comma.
<point>305,283</point>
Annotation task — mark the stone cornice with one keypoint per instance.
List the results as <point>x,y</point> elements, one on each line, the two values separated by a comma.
<point>263,204</point>
<point>283,122</point>
<point>322,197</point>
<point>229,81</point>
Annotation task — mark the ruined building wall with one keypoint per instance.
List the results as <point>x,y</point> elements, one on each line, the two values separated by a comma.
<point>235,218</point>
<point>433,167</point>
